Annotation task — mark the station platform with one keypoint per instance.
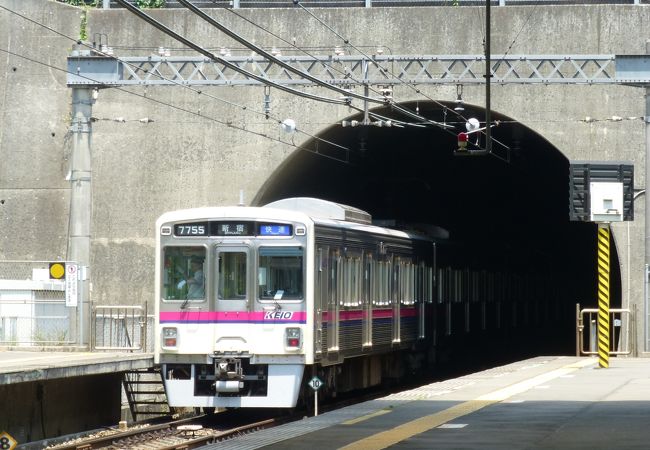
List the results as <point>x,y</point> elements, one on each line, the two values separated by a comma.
<point>27,366</point>
<point>46,394</point>
<point>541,403</point>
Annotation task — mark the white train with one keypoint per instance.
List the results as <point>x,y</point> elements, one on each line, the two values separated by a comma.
<point>252,302</point>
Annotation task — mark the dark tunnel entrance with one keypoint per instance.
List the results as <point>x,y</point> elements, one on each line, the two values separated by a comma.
<point>517,207</point>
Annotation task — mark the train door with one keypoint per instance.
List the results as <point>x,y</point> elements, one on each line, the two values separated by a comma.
<point>368,295</point>
<point>333,303</point>
<point>231,297</point>
<point>233,267</point>
<point>320,294</point>
<point>421,292</point>
<point>396,299</point>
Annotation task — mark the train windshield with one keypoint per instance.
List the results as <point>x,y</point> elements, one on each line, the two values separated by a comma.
<point>280,273</point>
<point>183,273</point>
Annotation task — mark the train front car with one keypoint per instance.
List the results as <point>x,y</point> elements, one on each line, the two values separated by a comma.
<point>231,322</point>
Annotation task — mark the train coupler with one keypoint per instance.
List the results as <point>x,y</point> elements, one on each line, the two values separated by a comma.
<point>228,369</point>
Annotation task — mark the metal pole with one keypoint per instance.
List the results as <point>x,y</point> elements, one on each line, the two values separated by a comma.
<point>603,295</point>
<point>315,402</point>
<point>647,197</point>
<point>593,337</point>
<point>579,328</point>
<point>366,92</point>
<point>80,198</point>
<point>488,76</point>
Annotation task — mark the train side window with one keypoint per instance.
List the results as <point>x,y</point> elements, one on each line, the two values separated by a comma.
<point>341,281</point>
<point>383,283</point>
<point>365,292</point>
<point>280,273</point>
<point>351,282</point>
<point>409,297</point>
<point>429,284</point>
<point>183,273</point>
<point>232,275</point>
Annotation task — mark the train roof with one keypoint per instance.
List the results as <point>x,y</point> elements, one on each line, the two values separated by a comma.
<point>320,212</point>
<point>323,209</point>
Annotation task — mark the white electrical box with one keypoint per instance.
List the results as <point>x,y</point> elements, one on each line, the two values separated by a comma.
<point>606,201</point>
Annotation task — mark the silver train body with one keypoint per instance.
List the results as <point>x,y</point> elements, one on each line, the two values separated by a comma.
<point>253,302</point>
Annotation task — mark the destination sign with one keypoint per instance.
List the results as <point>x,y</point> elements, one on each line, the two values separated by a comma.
<point>232,228</point>
<point>269,229</point>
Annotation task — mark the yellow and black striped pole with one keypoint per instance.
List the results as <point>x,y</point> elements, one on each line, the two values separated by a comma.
<point>603,295</point>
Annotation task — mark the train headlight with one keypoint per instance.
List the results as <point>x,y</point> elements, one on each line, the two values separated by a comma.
<point>292,338</point>
<point>169,337</point>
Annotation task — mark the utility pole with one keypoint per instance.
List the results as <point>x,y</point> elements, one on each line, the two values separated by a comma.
<point>646,274</point>
<point>488,76</point>
<point>646,119</point>
<point>80,200</point>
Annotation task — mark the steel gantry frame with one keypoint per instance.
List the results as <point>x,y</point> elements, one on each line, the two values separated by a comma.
<point>94,69</point>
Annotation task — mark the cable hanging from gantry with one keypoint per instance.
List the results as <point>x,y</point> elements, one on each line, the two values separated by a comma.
<point>223,61</point>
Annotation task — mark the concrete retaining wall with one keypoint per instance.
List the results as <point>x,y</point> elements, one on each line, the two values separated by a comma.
<point>180,160</point>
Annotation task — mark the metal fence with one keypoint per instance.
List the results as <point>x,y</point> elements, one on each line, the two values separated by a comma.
<point>121,328</point>
<point>587,331</point>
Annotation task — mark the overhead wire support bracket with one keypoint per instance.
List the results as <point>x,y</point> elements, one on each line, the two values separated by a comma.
<point>437,70</point>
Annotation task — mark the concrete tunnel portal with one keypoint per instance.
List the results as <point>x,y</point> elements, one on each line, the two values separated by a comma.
<point>411,175</point>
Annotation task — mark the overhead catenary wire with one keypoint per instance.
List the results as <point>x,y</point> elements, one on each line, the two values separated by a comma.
<point>335,69</point>
<point>265,81</point>
<point>159,75</point>
<point>320,82</point>
<point>156,24</point>
<point>259,50</point>
<point>267,55</point>
<point>384,70</point>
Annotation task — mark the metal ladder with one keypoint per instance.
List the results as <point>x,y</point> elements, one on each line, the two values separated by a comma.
<point>145,392</point>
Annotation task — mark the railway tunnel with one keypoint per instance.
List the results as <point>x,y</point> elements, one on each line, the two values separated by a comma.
<point>516,200</point>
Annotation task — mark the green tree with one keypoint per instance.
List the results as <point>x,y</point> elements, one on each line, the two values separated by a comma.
<point>150,3</point>
<point>95,3</point>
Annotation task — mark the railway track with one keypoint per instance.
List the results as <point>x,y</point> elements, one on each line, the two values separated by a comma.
<point>182,434</point>
<point>198,431</point>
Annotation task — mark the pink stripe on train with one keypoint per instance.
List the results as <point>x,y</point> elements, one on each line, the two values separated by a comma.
<point>233,317</point>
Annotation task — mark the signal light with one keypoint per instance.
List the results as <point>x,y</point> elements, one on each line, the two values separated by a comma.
<point>462,142</point>
<point>57,271</point>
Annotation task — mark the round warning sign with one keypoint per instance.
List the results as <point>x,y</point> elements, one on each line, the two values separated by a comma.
<point>57,270</point>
